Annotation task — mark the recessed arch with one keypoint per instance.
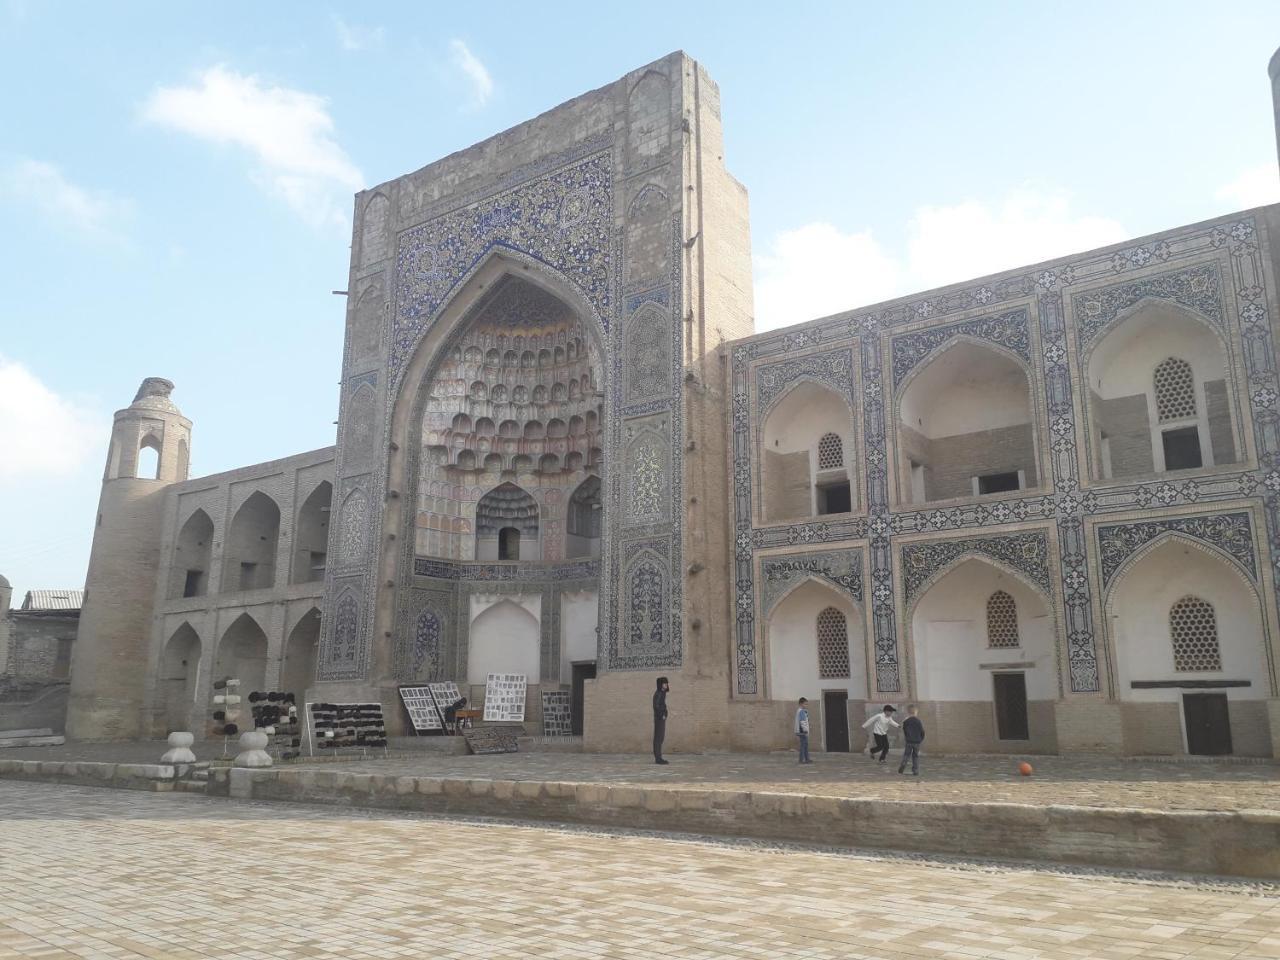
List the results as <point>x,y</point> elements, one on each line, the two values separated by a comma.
<point>242,655</point>
<point>179,678</point>
<point>798,641</point>
<point>301,650</point>
<point>311,535</point>
<point>794,482</point>
<point>584,520</point>
<point>505,637</point>
<point>249,554</point>
<point>192,556</point>
<point>1124,366</point>
<point>966,423</point>
<point>507,507</point>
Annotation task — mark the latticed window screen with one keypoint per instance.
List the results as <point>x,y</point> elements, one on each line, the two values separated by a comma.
<point>1194,628</point>
<point>1175,390</point>
<point>833,645</point>
<point>1002,620</point>
<point>830,452</point>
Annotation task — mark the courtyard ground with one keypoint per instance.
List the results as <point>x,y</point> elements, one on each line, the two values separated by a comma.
<point>1086,781</point>
<point>94,873</point>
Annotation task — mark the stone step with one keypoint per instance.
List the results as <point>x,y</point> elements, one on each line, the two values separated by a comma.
<point>45,741</point>
<point>20,734</point>
<point>191,786</point>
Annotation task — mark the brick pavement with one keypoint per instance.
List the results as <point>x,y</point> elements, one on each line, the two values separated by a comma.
<point>92,873</point>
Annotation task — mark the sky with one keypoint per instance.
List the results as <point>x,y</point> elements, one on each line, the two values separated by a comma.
<point>176,180</point>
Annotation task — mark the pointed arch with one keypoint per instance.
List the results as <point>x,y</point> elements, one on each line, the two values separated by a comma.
<point>192,557</point>
<point>815,640</point>
<point>242,654</point>
<point>249,554</point>
<point>311,535</point>
<point>179,678</point>
<point>301,653</point>
<point>966,422</point>
<point>505,637</point>
<point>796,481</point>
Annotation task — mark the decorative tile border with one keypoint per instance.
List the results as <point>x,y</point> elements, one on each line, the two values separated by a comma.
<point>1231,533</point>
<point>1025,552</point>
<point>841,568</point>
<point>1216,269</point>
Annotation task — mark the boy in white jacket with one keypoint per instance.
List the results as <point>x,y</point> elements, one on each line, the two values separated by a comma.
<point>879,725</point>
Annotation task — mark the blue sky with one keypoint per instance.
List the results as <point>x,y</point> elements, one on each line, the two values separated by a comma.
<point>176,179</point>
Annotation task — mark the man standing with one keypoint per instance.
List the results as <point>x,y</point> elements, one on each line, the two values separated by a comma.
<point>802,730</point>
<point>660,718</point>
<point>913,734</point>
<point>880,725</point>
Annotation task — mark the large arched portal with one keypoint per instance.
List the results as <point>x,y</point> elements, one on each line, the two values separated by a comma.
<point>504,478</point>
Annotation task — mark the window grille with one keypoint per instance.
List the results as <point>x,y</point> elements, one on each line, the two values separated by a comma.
<point>833,645</point>
<point>1175,390</point>
<point>1002,620</point>
<point>1193,626</point>
<point>830,452</point>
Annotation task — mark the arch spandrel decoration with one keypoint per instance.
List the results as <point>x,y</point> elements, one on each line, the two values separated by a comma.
<point>780,574</point>
<point>1197,288</point>
<point>435,257</point>
<point>1009,330</point>
<point>1229,533</point>
<point>1025,552</point>
<point>834,369</point>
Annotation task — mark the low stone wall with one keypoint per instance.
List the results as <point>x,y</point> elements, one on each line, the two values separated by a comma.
<point>1245,843</point>
<point>122,776</point>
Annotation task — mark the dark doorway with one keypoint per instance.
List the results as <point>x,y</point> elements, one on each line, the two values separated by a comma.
<point>834,498</point>
<point>1011,706</point>
<point>835,719</point>
<point>998,482</point>
<point>508,544</point>
<point>581,672</point>
<point>1208,723</point>
<point>1182,449</point>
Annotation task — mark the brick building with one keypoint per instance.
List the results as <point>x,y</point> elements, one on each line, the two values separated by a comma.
<point>1043,504</point>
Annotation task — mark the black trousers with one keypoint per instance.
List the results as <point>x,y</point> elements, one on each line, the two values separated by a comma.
<point>882,745</point>
<point>659,734</point>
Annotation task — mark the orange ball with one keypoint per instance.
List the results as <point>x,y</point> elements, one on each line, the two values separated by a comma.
<point>1025,769</point>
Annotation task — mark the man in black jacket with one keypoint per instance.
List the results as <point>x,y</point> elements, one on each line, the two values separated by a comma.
<point>913,734</point>
<point>660,718</point>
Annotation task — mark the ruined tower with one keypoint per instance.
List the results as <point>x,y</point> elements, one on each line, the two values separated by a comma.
<point>150,449</point>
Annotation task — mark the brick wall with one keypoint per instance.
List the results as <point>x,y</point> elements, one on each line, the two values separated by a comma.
<point>1219,411</point>
<point>786,486</point>
<point>955,461</point>
<point>1124,420</point>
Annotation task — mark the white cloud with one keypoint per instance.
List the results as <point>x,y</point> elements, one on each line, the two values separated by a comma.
<point>1254,187</point>
<point>288,132</point>
<point>354,38</point>
<point>42,434</point>
<point>45,188</point>
<point>475,72</point>
<point>817,269</point>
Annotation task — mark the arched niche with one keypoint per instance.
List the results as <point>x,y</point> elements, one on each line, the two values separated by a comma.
<point>1157,347</point>
<point>179,678</point>
<point>804,656</point>
<point>1149,680</point>
<point>507,524</point>
<point>966,425</point>
<point>311,535</point>
<point>148,458</point>
<point>504,637</point>
<point>584,520</point>
<point>189,572</point>
<point>242,655</point>
<point>481,419</point>
<point>988,694</point>
<point>797,480</point>
<point>298,670</point>
<point>249,556</point>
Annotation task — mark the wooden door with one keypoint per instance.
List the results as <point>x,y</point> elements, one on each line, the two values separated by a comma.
<point>1011,706</point>
<point>1208,723</point>
<point>835,719</point>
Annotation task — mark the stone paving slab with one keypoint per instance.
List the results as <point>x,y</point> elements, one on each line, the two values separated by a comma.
<point>102,874</point>
<point>1084,781</point>
<point>1094,781</point>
